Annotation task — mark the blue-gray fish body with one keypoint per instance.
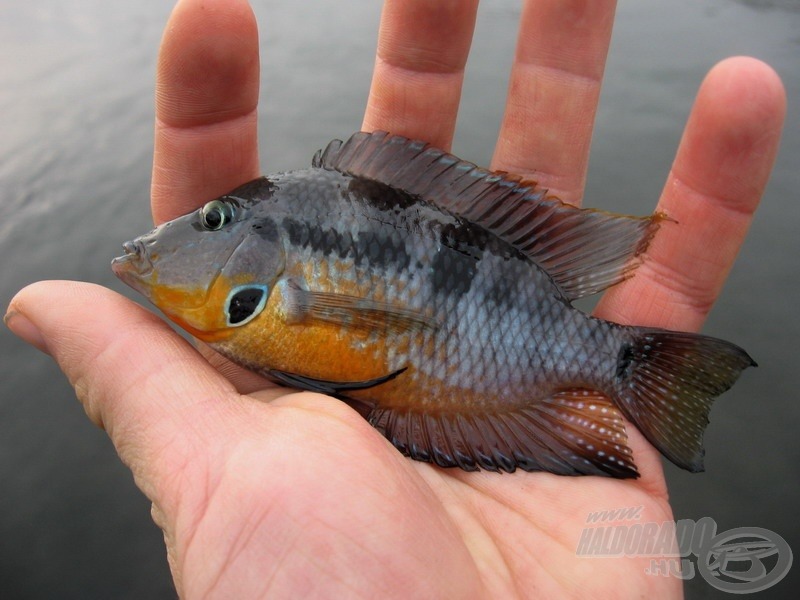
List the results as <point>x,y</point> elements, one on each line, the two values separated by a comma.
<point>435,297</point>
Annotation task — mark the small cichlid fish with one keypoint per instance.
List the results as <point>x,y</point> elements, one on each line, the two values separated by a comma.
<point>436,298</point>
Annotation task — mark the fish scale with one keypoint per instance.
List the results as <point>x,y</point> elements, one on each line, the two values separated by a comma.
<point>436,298</point>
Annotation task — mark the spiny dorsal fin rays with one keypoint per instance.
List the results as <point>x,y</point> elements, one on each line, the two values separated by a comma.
<point>583,250</point>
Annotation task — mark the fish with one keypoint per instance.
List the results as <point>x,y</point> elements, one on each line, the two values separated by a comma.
<point>436,298</point>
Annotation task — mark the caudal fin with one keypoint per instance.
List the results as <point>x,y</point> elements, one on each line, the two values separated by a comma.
<point>666,383</point>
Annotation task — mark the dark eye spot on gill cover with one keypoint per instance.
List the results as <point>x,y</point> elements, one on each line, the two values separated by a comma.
<point>244,304</point>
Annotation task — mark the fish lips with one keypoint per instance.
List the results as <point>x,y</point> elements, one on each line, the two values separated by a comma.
<point>133,267</point>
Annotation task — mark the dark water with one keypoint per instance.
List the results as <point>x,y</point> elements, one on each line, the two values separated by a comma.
<point>76,87</point>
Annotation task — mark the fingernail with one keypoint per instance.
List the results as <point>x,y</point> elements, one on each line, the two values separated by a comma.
<point>22,327</point>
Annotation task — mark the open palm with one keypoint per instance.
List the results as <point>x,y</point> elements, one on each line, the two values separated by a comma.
<point>263,492</point>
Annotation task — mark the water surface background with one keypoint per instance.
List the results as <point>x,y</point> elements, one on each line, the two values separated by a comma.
<point>76,89</point>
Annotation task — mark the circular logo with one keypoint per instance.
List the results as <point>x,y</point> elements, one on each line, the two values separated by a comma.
<point>745,560</point>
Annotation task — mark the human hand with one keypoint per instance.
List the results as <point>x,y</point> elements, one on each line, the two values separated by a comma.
<point>263,492</point>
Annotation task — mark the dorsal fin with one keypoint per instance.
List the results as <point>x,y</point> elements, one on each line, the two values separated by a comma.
<point>583,250</point>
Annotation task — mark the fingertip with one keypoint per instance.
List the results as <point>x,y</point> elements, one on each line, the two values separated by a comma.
<point>208,67</point>
<point>733,132</point>
<point>30,306</point>
<point>419,69</point>
<point>746,93</point>
<point>207,87</point>
<point>716,183</point>
<point>748,80</point>
<point>49,326</point>
<point>136,378</point>
<point>108,345</point>
<point>23,328</point>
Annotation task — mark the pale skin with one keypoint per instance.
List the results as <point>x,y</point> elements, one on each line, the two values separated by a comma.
<point>262,491</point>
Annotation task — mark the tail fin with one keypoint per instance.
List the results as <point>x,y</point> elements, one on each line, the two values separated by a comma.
<point>666,383</point>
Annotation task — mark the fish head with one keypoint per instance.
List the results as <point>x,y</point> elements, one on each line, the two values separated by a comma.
<point>209,271</point>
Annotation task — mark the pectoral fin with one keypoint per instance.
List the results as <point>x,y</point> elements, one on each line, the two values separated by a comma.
<point>328,387</point>
<point>353,311</point>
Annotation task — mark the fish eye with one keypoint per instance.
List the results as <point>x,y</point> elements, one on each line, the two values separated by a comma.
<point>216,214</point>
<point>244,304</point>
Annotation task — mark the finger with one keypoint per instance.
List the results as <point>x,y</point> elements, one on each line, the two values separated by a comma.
<point>717,179</point>
<point>151,391</point>
<point>206,99</point>
<point>419,68</point>
<point>553,93</point>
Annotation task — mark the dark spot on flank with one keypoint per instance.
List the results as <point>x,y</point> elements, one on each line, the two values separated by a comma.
<point>297,232</point>
<point>266,229</point>
<point>452,272</point>
<point>252,192</point>
<point>381,196</point>
<point>382,247</point>
<point>502,291</point>
<point>624,359</point>
<point>464,237</point>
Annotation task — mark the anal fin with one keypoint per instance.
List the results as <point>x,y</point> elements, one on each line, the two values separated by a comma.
<point>572,432</point>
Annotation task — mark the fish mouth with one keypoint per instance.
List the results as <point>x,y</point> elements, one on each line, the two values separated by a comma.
<point>134,266</point>
<point>177,292</point>
<point>135,259</point>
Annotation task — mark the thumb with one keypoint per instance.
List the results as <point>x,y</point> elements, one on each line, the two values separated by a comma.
<point>153,393</point>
